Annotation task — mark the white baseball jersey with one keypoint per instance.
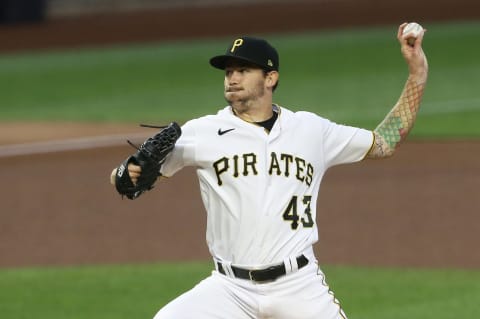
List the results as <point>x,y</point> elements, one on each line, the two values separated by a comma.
<point>260,189</point>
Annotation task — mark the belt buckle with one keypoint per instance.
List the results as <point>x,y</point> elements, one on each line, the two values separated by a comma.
<point>250,275</point>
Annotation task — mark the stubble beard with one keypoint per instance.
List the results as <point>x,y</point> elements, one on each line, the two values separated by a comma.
<point>246,100</point>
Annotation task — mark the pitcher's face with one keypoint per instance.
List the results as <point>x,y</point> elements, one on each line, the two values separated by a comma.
<point>244,84</point>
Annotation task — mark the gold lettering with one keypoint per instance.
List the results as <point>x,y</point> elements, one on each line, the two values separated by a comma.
<point>300,166</point>
<point>249,159</point>
<point>220,170</point>
<point>235,166</point>
<point>288,160</point>
<point>236,44</point>
<point>309,177</point>
<point>274,164</point>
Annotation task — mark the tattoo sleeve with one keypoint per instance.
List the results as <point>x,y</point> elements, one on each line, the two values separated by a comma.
<point>398,122</point>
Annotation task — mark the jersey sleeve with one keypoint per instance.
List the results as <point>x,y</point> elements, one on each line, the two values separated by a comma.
<point>183,153</point>
<point>344,144</point>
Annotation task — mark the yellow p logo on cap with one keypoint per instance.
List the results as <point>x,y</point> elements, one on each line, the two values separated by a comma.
<point>236,44</point>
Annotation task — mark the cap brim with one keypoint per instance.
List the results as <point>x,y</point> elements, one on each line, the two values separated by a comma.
<point>220,61</point>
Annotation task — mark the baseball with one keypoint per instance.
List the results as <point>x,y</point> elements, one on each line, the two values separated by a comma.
<point>414,29</point>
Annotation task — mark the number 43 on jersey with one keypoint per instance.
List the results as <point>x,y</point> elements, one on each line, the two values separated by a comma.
<point>291,212</point>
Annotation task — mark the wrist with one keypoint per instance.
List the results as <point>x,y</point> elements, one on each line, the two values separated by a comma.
<point>418,78</point>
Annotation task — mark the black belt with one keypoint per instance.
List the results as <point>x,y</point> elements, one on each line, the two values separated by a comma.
<point>268,274</point>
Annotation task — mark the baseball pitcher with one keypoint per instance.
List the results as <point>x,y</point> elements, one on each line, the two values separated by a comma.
<point>259,167</point>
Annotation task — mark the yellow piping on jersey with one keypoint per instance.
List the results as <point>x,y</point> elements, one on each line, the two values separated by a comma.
<point>371,147</point>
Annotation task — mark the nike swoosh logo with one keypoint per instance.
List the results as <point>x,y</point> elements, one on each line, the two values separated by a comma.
<point>220,132</point>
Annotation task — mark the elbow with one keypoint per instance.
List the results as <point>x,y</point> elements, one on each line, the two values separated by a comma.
<point>380,147</point>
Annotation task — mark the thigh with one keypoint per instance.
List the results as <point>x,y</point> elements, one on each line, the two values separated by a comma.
<point>305,295</point>
<point>213,298</point>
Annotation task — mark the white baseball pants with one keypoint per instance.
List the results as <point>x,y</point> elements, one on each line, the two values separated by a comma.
<point>299,295</point>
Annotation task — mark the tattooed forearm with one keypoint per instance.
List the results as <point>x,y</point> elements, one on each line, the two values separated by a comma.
<point>398,122</point>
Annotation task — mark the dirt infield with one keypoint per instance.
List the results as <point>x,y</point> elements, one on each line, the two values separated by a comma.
<point>419,208</point>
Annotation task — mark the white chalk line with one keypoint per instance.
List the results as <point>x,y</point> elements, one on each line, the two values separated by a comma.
<point>72,144</point>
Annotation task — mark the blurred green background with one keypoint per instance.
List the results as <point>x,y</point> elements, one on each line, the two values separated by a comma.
<point>138,291</point>
<point>350,76</point>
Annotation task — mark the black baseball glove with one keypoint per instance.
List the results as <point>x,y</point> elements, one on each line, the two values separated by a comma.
<point>150,157</point>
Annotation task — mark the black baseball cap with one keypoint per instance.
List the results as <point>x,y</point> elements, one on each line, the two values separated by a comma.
<point>253,50</point>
